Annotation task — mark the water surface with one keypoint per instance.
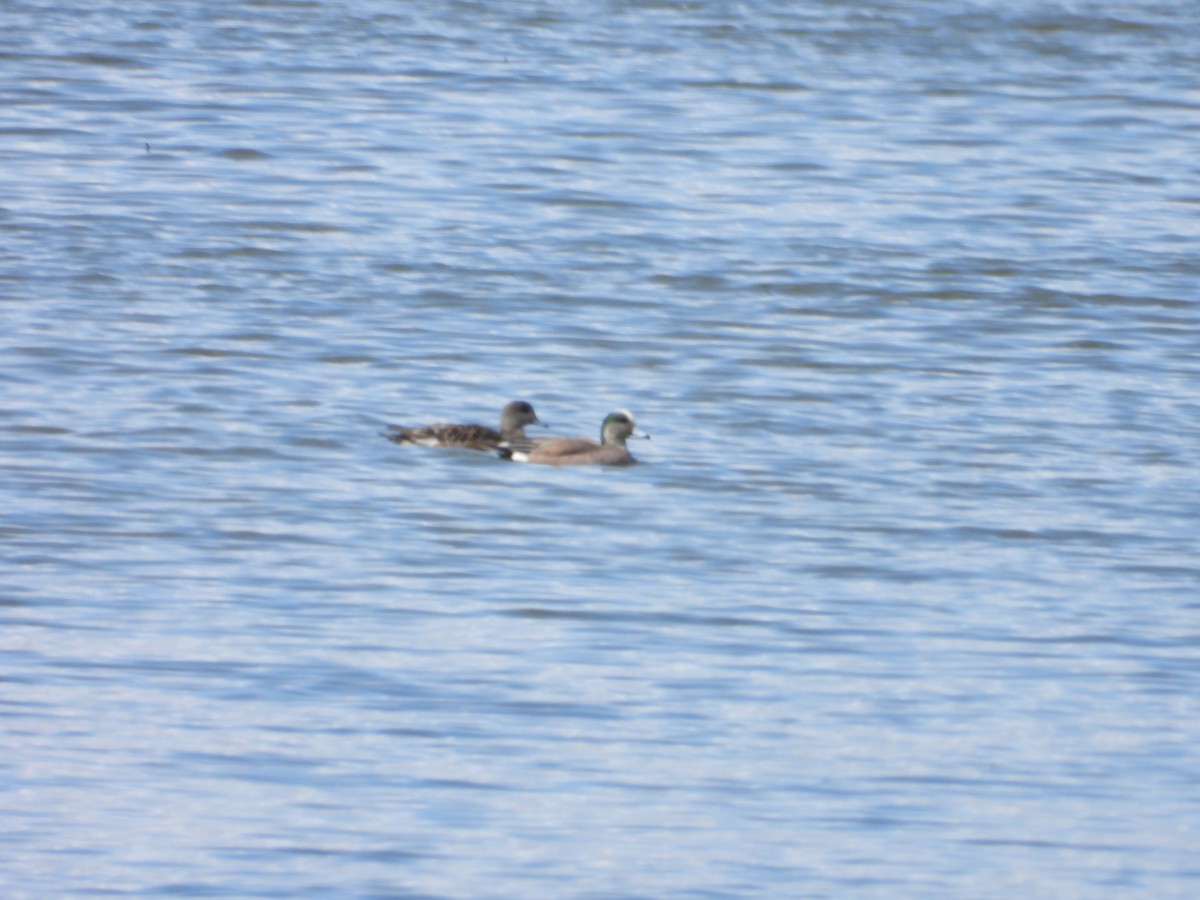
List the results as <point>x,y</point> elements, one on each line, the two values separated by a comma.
<point>901,600</point>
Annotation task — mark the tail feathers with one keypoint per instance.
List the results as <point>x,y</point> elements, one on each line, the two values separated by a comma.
<point>516,449</point>
<point>398,434</point>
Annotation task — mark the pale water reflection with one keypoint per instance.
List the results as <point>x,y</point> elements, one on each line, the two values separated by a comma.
<point>900,600</point>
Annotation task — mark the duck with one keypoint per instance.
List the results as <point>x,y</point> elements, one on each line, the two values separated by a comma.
<point>513,419</point>
<point>617,427</point>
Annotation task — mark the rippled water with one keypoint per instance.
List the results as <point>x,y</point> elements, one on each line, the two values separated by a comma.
<point>902,600</point>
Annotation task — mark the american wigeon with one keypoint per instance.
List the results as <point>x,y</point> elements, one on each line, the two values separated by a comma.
<point>513,419</point>
<point>610,450</point>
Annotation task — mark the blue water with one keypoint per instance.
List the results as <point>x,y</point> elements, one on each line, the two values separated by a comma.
<point>901,599</point>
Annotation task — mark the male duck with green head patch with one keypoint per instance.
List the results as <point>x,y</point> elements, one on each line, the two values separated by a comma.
<point>610,450</point>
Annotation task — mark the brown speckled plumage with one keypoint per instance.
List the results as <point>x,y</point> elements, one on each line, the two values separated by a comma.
<point>513,419</point>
